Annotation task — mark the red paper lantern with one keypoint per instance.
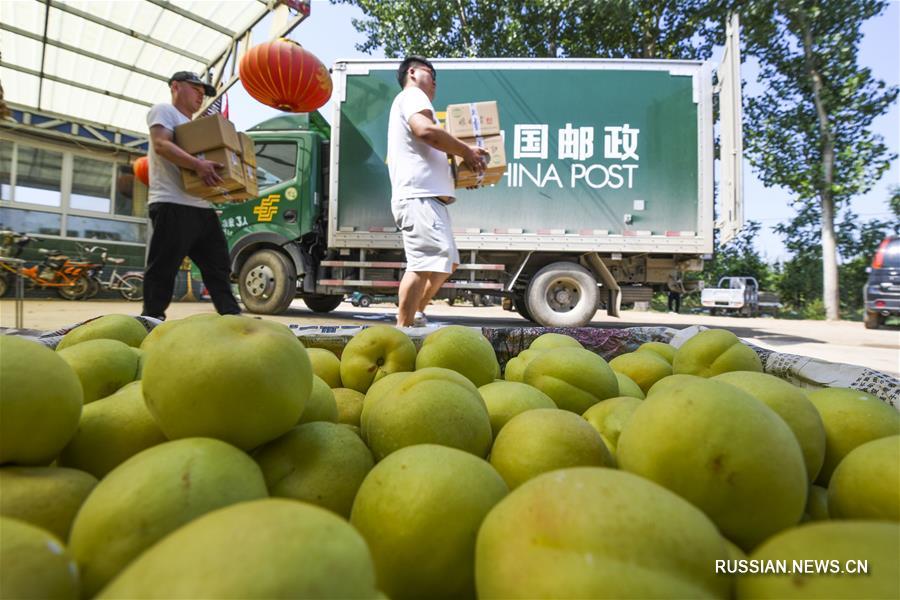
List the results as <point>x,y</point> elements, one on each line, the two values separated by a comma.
<point>283,75</point>
<point>141,168</point>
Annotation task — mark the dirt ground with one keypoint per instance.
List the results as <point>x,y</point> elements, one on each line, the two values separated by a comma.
<point>842,342</point>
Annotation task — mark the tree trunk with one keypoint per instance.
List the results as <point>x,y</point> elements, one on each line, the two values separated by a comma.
<point>464,28</point>
<point>649,34</point>
<point>830,287</point>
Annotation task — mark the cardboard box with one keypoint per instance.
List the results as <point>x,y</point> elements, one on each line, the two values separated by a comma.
<point>236,196</point>
<point>475,119</point>
<point>250,182</point>
<point>247,151</point>
<point>231,172</point>
<point>496,167</point>
<point>207,133</point>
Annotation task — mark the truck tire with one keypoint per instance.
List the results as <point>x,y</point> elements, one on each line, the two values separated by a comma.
<point>365,302</point>
<point>323,304</point>
<point>521,307</point>
<point>562,294</point>
<point>872,320</point>
<point>267,282</point>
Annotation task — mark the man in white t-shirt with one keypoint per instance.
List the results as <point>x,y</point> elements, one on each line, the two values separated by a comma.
<point>422,187</point>
<point>183,225</point>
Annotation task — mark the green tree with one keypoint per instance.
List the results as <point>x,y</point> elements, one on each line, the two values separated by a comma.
<point>810,130</point>
<point>894,204</point>
<point>799,280</point>
<point>739,257</point>
<point>685,29</point>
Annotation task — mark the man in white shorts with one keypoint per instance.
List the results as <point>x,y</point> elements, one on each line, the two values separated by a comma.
<point>422,187</point>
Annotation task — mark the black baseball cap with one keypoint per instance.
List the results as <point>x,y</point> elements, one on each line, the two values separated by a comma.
<point>193,78</point>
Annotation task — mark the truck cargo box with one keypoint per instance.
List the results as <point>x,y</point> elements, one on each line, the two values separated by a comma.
<point>618,158</point>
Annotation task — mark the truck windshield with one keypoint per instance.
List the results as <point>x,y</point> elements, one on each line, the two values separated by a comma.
<point>275,162</point>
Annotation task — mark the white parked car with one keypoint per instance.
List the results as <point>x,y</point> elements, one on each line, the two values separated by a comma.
<point>733,294</point>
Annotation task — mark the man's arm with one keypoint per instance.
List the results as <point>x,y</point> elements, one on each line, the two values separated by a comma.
<point>164,145</point>
<point>423,127</point>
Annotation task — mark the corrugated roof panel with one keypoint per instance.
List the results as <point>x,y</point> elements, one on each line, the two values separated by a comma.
<point>180,32</point>
<point>24,15</point>
<point>19,85</point>
<point>20,50</point>
<point>116,36</point>
<point>235,16</point>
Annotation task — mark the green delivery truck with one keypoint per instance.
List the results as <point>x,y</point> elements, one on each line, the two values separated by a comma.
<point>608,190</point>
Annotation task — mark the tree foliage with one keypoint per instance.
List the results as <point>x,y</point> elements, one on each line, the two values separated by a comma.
<point>739,257</point>
<point>810,131</point>
<point>799,279</point>
<point>684,29</point>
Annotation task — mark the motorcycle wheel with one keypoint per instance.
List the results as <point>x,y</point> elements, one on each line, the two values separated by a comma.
<point>93,288</point>
<point>75,291</point>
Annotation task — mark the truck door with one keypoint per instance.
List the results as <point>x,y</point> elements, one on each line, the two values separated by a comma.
<point>730,216</point>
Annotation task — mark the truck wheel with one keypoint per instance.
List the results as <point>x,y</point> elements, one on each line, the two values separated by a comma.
<point>562,294</point>
<point>267,282</point>
<point>365,301</point>
<point>872,320</point>
<point>522,308</point>
<point>323,304</point>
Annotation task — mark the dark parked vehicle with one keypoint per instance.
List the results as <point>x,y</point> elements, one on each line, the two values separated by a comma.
<point>882,291</point>
<point>361,299</point>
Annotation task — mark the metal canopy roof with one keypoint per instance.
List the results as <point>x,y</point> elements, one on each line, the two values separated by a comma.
<point>108,61</point>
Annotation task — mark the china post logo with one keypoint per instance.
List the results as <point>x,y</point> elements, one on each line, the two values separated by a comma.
<point>267,208</point>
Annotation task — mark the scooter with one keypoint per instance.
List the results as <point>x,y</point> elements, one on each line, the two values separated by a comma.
<point>69,278</point>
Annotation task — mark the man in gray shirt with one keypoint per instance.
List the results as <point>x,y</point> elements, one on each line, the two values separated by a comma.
<point>183,225</point>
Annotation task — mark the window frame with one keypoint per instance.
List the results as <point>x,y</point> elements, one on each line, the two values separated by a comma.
<point>112,185</point>
<point>65,190</point>
<point>279,141</point>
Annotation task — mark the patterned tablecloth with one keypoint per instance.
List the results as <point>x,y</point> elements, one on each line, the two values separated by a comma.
<point>802,371</point>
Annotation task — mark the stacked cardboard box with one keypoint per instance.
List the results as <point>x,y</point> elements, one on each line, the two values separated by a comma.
<point>478,124</point>
<point>214,138</point>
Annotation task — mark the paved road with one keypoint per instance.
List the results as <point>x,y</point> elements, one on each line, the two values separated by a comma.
<point>843,341</point>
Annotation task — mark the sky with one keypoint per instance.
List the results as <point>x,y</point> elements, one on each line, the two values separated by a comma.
<point>329,34</point>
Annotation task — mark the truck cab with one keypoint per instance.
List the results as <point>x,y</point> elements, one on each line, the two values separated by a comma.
<point>276,240</point>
